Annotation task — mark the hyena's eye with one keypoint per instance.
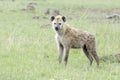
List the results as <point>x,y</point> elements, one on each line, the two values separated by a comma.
<point>59,23</point>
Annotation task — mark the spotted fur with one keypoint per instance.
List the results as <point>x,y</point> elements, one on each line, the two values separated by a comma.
<point>68,37</point>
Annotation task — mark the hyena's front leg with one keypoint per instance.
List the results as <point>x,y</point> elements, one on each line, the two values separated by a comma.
<point>67,49</point>
<point>60,52</point>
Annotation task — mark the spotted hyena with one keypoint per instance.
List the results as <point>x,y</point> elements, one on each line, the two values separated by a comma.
<point>68,37</point>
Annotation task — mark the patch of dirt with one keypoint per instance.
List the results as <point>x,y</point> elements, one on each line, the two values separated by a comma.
<point>45,17</point>
<point>1,10</point>
<point>55,12</point>
<point>107,15</point>
<point>30,7</point>
<point>47,11</point>
<point>117,56</point>
<point>36,17</point>
<point>12,10</point>
<point>13,0</point>
<point>116,10</point>
<point>45,26</point>
<point>23,9</point>
<point>95,15</point>
<point>111,58</point>
<point>113,16</point>
<point>39,17</point>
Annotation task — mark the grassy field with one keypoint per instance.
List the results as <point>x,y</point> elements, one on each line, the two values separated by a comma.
<point>28,49</point>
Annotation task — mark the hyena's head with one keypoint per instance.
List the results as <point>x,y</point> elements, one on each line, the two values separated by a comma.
<point>58,22</point>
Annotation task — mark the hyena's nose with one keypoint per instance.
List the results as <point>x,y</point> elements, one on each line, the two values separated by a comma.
<point>56,28</point>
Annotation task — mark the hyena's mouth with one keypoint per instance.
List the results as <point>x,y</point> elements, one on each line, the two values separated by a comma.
<point>56,28</point>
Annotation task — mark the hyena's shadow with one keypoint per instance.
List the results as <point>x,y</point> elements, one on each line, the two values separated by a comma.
<point>111,58</point>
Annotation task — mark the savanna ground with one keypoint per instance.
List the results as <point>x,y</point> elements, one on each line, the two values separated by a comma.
<point>28,49</point>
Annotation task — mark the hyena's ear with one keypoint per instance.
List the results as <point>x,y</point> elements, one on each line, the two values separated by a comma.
<point>64,18</point>
<point>52,18</point>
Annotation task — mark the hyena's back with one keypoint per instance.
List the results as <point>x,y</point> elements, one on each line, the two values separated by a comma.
<point>80,38</point>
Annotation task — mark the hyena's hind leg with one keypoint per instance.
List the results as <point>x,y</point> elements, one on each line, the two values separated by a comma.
<point>89,56</point>
<point>92,49</point>
<point>94,54</point>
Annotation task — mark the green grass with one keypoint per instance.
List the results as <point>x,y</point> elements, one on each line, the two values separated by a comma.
<point>28,49</point>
